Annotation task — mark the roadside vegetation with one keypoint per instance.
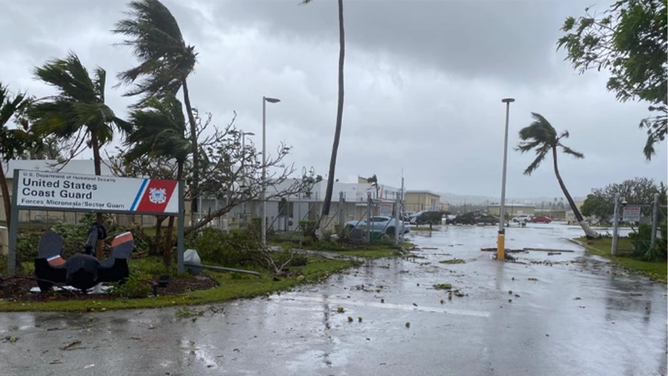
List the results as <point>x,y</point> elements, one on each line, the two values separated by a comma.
<point>280,268</point>
<point>630,255</point>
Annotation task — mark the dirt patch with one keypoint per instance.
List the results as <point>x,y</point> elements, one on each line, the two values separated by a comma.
<point>18,289</point>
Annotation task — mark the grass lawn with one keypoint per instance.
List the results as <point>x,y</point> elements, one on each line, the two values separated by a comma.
<point>232,286</point>
<point>657,270</point>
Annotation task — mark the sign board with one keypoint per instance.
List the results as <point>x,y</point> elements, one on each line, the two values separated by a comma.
<point>65,191</point>
<point>386,210</point>
<point>631,214</point>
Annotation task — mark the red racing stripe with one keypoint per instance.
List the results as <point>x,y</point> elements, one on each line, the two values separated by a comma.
<point>156,196</point>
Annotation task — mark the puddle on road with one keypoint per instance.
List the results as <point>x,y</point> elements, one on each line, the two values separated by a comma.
<point>404,307</point>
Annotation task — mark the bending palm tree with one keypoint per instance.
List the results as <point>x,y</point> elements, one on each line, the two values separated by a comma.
<point>339,115</point>
<point>160,129</point>
<point>8,107</point>
<point>165,64</point>
<point>541,137</point>
<point>78,106</point>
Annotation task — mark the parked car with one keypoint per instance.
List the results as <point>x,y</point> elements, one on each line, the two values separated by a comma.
<point>487,220</point>
<point>384,224</point>
<point>463,219</point>
<point>523,218</point>
<point>541,220</point>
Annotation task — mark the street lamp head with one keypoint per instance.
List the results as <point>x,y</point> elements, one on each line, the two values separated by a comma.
<point>508,100</point>
<point>271,100</point>
<point>249,134</point>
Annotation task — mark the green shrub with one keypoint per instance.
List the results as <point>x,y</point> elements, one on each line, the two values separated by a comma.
<point>138,285</point>
<point>298,258</point>
<point>641,240</point>
<point>74,237</point>
<point>308,228</point>
<point>433,216</point>
<point>236,248</point>
<point>306,241</point>
<point>326,235</point>
<point>26,245</point>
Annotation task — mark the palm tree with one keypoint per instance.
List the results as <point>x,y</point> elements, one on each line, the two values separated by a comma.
<point>78,108</point>
<point>541,137</point>
<point>160,129</point>
<point>9,106</point>
<point>166,61</point>
<point>339,114</point>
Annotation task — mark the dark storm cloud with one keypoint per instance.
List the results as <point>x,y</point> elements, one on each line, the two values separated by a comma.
<point>424,82</point>
<point>503,40</point>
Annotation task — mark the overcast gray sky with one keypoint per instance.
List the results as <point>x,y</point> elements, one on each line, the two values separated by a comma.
<point>424,83</point>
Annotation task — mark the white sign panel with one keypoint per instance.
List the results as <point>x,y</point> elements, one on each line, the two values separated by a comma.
<point>55,190</point>
<point>631,214</point>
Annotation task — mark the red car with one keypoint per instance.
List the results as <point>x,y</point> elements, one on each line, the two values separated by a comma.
<point>541,220</point>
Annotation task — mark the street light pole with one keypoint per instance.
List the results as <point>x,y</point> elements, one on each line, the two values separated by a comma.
<point>243,172</point>
<point>501,240</point>
<point>264,166</point>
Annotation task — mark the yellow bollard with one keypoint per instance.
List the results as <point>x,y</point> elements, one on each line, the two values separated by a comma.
<point>501,247</point>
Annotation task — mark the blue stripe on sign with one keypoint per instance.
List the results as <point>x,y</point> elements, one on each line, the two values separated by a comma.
<point>141,190</point>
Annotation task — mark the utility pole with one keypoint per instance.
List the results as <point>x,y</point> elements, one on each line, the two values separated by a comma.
<point>655,219</point>
<point>615,226</point>
<point>501,238</point>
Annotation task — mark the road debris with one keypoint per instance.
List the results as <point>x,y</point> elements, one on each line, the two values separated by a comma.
<point>67,347</point>
<point>452,261</point>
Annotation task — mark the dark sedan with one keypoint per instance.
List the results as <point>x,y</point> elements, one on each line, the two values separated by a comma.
<point>487,220</point>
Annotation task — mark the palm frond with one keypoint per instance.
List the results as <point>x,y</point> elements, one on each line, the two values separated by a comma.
<point>572,152</point>
<point>525,146</point>
<point>159,129</point>
<point>100,83</point>
<point>70,77</point>
<point>79,103</point>
<point>156,39</point>
<point>9,106</point>
<point>536,162</point>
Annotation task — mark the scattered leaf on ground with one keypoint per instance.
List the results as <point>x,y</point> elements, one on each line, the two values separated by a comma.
<point>453,261</point>
<point>443,286</point>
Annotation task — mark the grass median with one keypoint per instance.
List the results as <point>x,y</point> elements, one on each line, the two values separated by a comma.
<point>655,270</point>
<point>231,286</point>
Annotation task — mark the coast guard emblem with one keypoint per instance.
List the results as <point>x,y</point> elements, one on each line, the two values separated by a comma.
<point>157,195</point>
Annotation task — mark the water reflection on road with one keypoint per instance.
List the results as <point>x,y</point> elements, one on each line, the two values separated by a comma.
<point>563,314</point>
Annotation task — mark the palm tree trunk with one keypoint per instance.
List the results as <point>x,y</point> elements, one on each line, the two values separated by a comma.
<point>591,234</point>
<point>194,189</point>
<point>167,253</point>
<point>97,162</point>
<point>339,117</point>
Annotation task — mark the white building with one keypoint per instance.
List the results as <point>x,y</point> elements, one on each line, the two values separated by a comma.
<point>284,214</point>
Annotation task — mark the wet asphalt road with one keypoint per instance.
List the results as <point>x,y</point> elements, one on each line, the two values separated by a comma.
<point>580,316</point>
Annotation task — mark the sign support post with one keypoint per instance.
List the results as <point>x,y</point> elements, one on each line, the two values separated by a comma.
<point>181,219</point>
<point>13,226</point>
